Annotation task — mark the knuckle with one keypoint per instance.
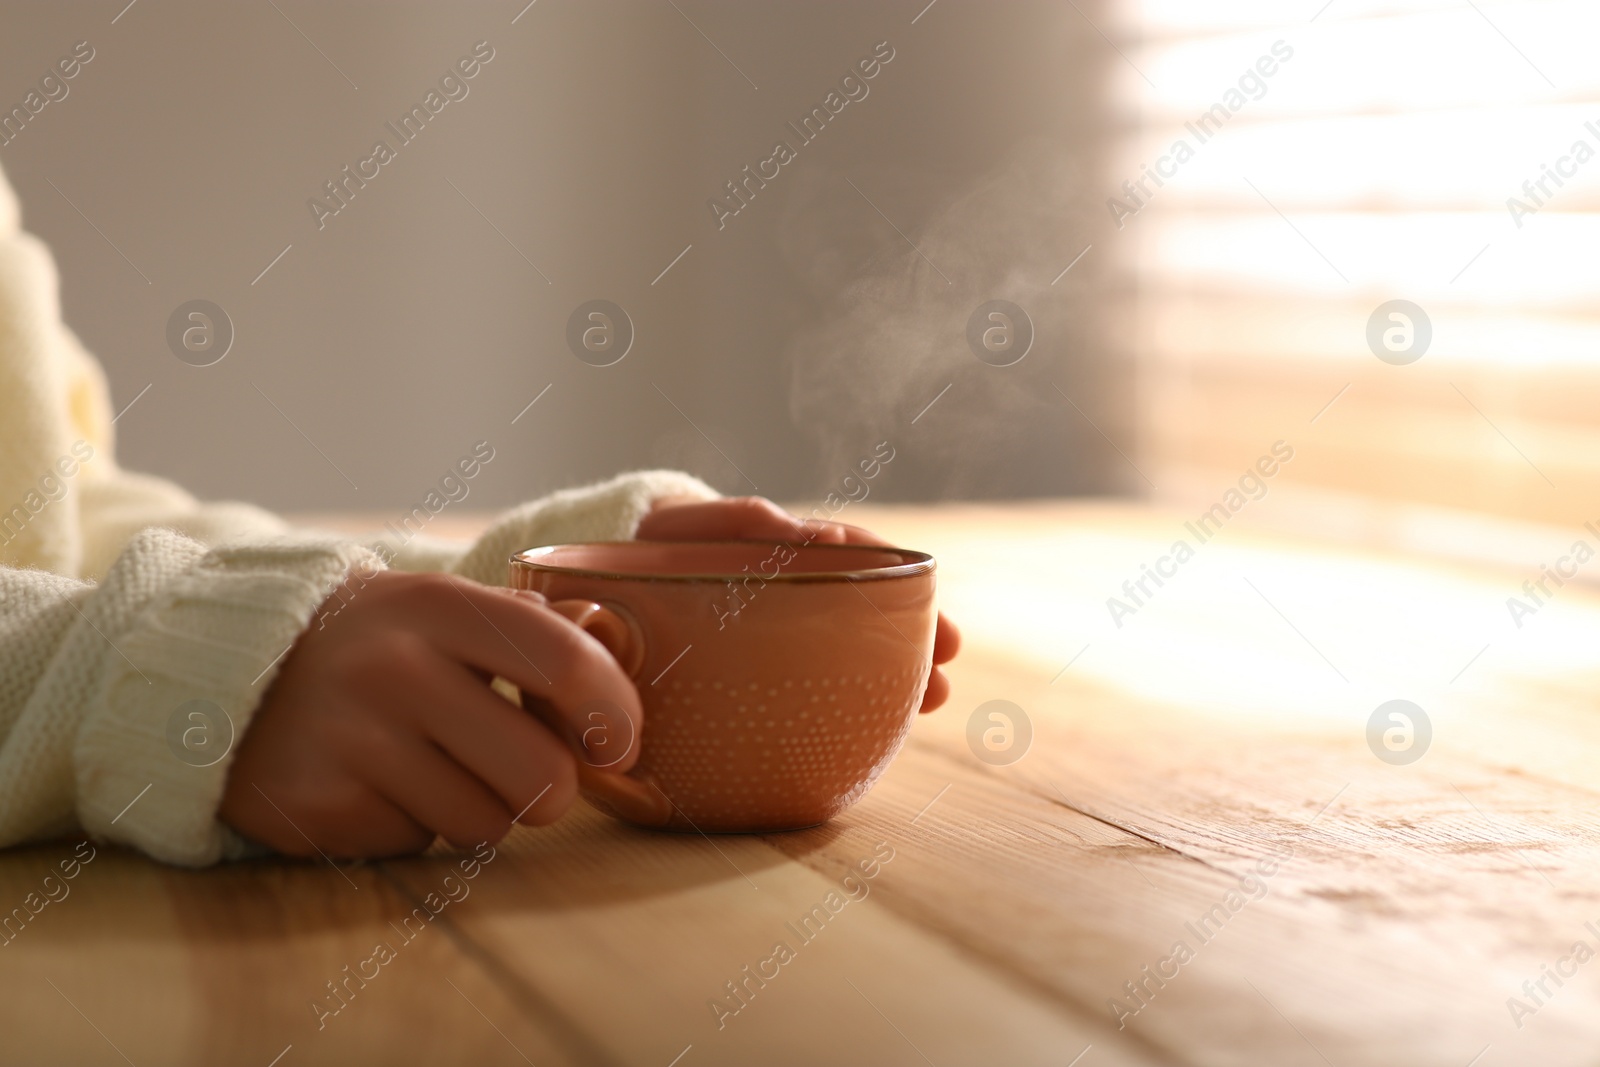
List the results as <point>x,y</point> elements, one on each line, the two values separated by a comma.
<point>417,595</point>
<point>388,588</point>
<point>571,652</point>
<point>376,663</point>
<point>311,817</point>
<point>358,739</point>
<point>436,592</point>
<point>402,654</point>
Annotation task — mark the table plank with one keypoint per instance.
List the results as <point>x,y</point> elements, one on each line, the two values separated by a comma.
<point>596,907</point>
<point>1412,910</point>
<point>1400,903</point>
<point>1226,717</point>
<point>220,966</point>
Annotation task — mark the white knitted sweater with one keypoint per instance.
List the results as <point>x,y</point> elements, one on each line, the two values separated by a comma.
<point>122,597</point>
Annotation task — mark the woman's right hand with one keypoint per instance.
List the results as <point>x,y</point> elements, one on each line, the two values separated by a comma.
<point>381,731</point>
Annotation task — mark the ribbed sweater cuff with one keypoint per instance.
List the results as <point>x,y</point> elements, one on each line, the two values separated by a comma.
<point>151,765</point>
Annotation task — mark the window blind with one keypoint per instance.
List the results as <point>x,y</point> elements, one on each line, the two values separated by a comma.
<point>1283,172</point>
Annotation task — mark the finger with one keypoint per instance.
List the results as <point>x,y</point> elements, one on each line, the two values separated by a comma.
<point>732,518</point>
<point>938,691</point>
<point>606,738</point>
<point>513,755</point>
<point>530,595</point>
<point>540,652</point>
<point>839,533</point>
<point>946,641</point>
<point>382,830</point>
<point>435,791</point>
<point>748,517</point>
<point>345,822</point>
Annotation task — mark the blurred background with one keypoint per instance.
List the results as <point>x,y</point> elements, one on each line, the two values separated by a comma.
<point>1180,324</point>
<point>770,353</point>
<point>1380,164</point>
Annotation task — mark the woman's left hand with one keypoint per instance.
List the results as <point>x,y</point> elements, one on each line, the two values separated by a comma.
<point>753,518</point>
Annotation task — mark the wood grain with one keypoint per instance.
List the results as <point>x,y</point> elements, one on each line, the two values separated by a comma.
<point>1221,725</point>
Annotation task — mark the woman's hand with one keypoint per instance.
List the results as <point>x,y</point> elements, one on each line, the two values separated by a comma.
<point>754,518</point>
<point>381,731</point>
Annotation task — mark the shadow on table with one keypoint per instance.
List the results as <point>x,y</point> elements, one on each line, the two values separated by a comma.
<point>584,860</point>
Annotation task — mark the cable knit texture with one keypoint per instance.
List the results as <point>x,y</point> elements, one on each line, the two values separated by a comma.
<point>122,598</point>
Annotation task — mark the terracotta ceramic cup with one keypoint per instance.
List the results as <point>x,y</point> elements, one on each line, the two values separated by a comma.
<point>778,680</point>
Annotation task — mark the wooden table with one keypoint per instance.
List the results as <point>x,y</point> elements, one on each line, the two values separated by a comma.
<point>1200,775</point>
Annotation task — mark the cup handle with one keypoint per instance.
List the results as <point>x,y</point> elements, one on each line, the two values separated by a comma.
<point>611,627</point>
<point>633,796</point>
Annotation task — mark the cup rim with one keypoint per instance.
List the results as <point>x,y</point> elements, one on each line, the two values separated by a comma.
<point>914,563</point>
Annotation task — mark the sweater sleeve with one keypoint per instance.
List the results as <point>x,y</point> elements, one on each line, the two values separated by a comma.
<point>120,703</point>
<point>609,511</point>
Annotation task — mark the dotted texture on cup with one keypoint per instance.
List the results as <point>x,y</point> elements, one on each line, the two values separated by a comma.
<point>836,733</point>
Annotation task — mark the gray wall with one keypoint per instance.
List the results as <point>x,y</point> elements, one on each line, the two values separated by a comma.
<point>795,338</point>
